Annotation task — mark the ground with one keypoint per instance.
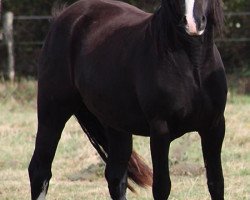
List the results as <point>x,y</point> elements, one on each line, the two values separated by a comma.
<point>78,170</point>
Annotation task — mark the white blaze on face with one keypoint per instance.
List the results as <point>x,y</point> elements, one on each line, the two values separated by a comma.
<point>43,193</point>
<point>191,25</point>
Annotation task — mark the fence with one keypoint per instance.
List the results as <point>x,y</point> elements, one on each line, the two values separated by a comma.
<point>24,37</point>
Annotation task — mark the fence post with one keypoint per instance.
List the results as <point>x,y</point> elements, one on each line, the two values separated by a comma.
<point>0,8</point>
<point>9,40</point>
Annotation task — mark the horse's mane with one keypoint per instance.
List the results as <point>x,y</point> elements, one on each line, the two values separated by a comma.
<point>57,10</point>
<point>216,16</point>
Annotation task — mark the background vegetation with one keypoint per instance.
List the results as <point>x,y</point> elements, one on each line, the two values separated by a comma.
<point>234,45</point>
<point>43,7</point>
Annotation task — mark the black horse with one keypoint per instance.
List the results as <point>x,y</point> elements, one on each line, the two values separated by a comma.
<point>121,71</point>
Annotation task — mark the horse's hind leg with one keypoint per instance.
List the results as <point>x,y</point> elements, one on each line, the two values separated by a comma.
<point>53,112</point>
<point>211,146</point>
<point>119,153</point>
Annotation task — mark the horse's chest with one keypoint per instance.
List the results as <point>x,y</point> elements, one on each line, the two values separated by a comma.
<point>205,107</point>
<point>178,100</point>
<point>165,93</point>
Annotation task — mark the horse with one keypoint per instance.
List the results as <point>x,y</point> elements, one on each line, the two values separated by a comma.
<point>122,72</point>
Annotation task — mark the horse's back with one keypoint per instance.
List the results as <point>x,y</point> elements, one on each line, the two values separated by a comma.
<point>104,12</point>
<point>88,23</point>
<point>99,19</point>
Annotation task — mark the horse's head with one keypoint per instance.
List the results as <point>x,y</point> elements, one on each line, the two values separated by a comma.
<point>194,15</point>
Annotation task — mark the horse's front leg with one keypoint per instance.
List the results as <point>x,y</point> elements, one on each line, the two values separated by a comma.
<point>211,146</point>
<point>159,143</point>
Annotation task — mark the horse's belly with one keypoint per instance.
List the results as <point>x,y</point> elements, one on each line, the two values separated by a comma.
<point>121,116</point>
<point>115,107</point>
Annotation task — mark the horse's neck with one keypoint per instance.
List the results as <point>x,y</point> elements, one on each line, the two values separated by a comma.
<point>199,51</point>
<point>195,48</point>
<point>168,38</point>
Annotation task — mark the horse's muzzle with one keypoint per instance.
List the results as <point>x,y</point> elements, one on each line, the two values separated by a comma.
<point>194,26</point>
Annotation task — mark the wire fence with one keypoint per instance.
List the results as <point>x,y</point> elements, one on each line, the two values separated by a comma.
<point>234,46</point>
<point>30,31</point>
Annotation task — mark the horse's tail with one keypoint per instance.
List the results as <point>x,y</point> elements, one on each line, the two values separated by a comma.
<point>138,171</point>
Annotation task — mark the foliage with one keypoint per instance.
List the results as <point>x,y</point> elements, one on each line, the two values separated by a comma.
<point>31,7</point>
<point>236,5</point>
<point>43,7</point>
<point>235,53</point>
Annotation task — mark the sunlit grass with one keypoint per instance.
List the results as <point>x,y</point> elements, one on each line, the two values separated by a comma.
<point>73,176</point>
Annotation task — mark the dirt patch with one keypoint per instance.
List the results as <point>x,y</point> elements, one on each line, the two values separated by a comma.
<point>91,173</point>
<point>187,169</point>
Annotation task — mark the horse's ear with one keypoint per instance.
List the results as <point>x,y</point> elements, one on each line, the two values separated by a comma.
<point>216,15</point>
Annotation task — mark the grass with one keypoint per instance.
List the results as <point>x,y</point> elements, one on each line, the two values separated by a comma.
<point>77,172</point>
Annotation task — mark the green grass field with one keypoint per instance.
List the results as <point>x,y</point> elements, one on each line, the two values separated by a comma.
<point>77,169</point>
